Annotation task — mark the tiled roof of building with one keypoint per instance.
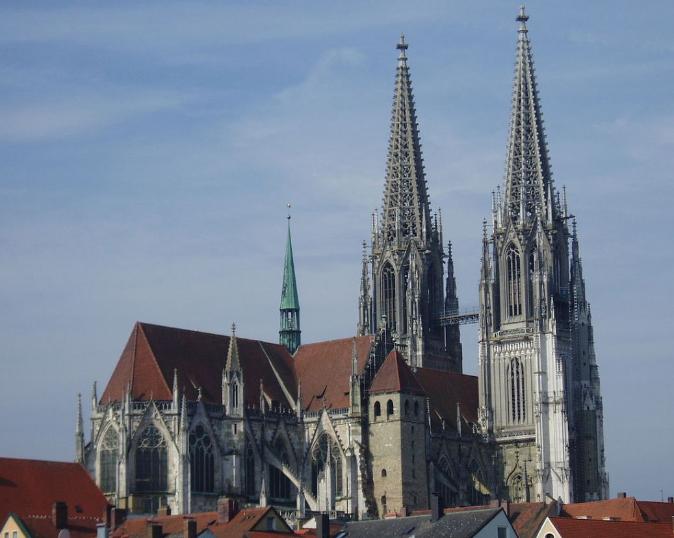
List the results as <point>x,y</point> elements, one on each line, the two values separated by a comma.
<point>242,524</point>
<point>29,489</point>
<point>445,390</point>
<point>153,352</point>
<point>598,528</point>
<point>395,376</point>
<point>463,524</point>
<point>623,509</point>
<point>526,518</point>
<point>324,370</point>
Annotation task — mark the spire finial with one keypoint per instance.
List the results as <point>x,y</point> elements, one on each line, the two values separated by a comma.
<point>233,328</point>
<point>289,207</point>
<point>522,17</point>
<point>402,47</point>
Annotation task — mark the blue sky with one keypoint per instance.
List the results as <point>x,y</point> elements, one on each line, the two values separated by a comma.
<point>148,150</point>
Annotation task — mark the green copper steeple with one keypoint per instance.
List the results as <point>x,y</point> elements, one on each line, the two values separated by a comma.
<point>289,333</point>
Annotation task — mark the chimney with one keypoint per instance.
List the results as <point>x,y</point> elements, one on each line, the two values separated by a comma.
<point>117,518</point>
<point>670,499</point>
<point>154,530</point>
<point>322,526</point>
<point>102,530</point>
<point>164,510</point>
<point>227,509</point>
<point>436,511</point>
<point>189,528</point>
<point>622,495</point>
<point>59,515</point>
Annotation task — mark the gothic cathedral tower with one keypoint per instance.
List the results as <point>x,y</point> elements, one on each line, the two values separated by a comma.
<point>539,384</point>
<point>407,252</point>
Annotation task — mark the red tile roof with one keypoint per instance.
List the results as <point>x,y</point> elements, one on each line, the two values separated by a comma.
<point>527,518</point>
<point>598,528</point>
<point>324,369</point>
<point>153,352</point>
<point>623,509</point>
<point>240,525</point>
<point>395,376</point>
<point>29,489</point>
<point>445,389</point>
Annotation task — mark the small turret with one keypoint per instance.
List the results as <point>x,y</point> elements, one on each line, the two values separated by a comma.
<point>289,332</point>
<point>232,379</point>
<point>365,299</point>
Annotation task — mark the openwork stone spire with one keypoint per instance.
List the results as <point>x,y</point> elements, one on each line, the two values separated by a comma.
<point>528,179</point>
<point>406,212</point>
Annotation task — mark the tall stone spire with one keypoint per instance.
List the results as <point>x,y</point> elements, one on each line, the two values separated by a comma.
<point>407,254</point>
<point>451,299</point>
<point>79,432</point>
<point>232,363</point>
<point>365,300</point>
<point>406,211</point>
<point>529,189</point>
<point>289,333</point>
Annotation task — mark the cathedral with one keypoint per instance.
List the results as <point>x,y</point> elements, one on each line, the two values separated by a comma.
<point>378,421</point>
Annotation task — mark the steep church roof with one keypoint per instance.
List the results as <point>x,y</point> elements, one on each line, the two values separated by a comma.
<point>395,376</point>
<point>324,370</point>
<point>153,352</point>
<point>447,389</point>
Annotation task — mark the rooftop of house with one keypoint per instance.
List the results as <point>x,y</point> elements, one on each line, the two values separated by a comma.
<point>30,488</point>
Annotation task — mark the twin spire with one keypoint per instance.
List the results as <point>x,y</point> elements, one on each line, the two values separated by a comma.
<point>529,189</point>
<point>406,212</point>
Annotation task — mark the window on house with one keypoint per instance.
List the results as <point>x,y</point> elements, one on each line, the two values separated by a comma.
<point>514,279</point>
<point>501,532</point>
<point>388,279</point>
<point>377,409</point>
<point>279,482</point>
<point>108,462</point>
<point>389,408</point>
<point>202,465</point>
<point>517,393</point>
<point>383,473</point>
<point>151,461</point>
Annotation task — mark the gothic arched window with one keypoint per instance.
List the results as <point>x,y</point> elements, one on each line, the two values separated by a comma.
<point>389,408</point>
<point>151,461</point>
<point>518,413</point>
<point>477,490</point>
<point>201,461</point>
<point>416,409</point>
<point>327,451</point>
<point>250,473</point>
<point>388,281</point>
<point>235,396</point>
<point>279,484</point>
<point>407,407</point>
<point>514,287</point>
<point>377,409</point>
<point>108,463</point>
<point>517,490</point>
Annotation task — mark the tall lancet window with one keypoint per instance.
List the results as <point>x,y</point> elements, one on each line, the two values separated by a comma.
<point>514,288</point>
<point>518,412</point>
<point>388,281</point>
<point>151,461</point>
<point>201,461</point>
<point>235,396</point>
<point>108,463</point>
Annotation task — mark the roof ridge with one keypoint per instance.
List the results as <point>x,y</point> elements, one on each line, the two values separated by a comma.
<point>349,338</point>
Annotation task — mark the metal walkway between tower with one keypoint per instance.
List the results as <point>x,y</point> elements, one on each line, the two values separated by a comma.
<point>464,316</point>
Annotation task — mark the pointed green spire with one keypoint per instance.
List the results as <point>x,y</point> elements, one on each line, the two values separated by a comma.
<point>289,330</point>
<point>289,299</point>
